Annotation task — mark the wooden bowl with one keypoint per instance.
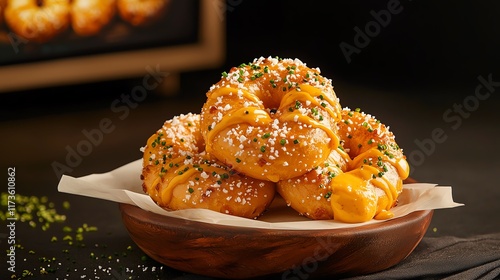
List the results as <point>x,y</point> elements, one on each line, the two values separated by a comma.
<point>241,252</point>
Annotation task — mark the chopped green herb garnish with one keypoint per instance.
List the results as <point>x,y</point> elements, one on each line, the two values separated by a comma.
<point>328,194</point>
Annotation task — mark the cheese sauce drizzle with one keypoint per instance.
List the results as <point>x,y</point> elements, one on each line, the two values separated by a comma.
<point>360,181</point>
<point>378,165</point>
<point>271,119</point>
<point>177,174</point>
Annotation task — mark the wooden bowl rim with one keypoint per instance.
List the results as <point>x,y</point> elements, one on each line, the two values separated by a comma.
<point>173,223</point>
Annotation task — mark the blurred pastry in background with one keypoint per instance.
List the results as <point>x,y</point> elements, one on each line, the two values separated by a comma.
<point>88,17</point>
<point>141,12</point>
<point>38,21</point>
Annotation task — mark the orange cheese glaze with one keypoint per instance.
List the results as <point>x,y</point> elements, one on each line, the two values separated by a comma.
<point>360,181</point>
<point>271,119</point>
<point>377,160</point>
<point>177,174</point>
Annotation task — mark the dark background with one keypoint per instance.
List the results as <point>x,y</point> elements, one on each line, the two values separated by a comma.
<point>413,75</point>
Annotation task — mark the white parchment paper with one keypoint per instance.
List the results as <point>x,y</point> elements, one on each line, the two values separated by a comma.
<point>123,185</point>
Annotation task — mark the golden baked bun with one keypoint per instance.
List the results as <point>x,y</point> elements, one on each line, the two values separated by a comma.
<point>360,181</point>
<point>38,23</point>
<point>271,119</point>
<point>177,174</point>
<point>310,193</point>
<point>141,12</point>
<point>88,17</point>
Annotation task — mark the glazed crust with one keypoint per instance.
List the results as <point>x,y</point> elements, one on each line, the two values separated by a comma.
<point>360,181</point>
<point>178,175</point>
<point>272,119</point>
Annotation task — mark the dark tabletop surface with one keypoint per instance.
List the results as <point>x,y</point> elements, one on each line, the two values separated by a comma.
<point>418,78</point>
